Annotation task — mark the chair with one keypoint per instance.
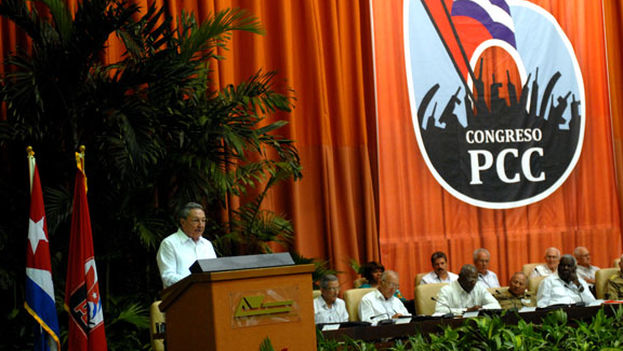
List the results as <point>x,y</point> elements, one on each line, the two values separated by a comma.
<point>352,297</point>
<point>529,267</point>
<point>316,293</point>
<point>615,264</point>
<point>601,281</point>
<point>418,279</point>
<point>423,293</point>
<point>533,284</point>
<point>156,317</point>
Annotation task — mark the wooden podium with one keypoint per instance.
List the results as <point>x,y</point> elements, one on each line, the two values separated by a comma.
<point>237,310</point>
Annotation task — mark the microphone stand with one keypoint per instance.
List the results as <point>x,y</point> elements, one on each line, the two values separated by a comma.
<point>447,315</point>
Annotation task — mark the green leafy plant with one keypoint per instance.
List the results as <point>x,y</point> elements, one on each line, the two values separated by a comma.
<point>266,345</point>
<point>157,134</point>
<point>490,333</point>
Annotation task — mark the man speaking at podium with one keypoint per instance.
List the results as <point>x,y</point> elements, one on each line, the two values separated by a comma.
<point>181,249</point>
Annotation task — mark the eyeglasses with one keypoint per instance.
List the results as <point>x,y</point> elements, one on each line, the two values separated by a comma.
<point>393,285</point>
<point>332,288</point>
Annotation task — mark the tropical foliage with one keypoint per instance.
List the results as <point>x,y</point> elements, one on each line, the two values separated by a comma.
<point>157,134</point>
<point>491,333</point>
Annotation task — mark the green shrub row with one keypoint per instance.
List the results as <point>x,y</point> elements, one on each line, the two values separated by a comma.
<point>556,332</point>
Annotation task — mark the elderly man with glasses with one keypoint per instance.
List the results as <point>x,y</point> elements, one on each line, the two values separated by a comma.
<point>552,257</point>
<point>381,303</point>
<point>328,308</point>
<point>585,269</point>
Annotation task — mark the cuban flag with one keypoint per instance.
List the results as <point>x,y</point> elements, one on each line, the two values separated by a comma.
<point>493,15</point>
<point>39,288</point>
<point>465,25</point>
<point>82,295</point>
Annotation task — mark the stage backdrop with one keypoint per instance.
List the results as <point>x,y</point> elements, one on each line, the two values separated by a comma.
<point>420,210</point>
<point>357,194</point>
<point>323,51</point>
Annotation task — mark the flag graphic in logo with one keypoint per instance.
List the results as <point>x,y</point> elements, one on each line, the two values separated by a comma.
<point>499,116</point>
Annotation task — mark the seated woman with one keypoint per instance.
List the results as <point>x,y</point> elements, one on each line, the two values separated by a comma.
<point>372,272</point>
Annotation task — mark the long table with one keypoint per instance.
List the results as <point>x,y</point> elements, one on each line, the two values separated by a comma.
<point>433,325</point>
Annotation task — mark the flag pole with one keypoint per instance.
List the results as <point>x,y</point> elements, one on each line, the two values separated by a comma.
<point>80,164</point>
<point>31,164</point>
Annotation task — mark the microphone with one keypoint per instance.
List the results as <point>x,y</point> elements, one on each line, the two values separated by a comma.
<point>447,315</point>
<point>379,315</point>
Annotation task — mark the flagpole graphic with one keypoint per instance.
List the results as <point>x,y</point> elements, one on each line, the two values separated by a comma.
<point>82,296</point>
<point>39,287</point>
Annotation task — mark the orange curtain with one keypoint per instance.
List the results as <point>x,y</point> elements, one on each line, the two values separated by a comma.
<point>322,50</point>
<point>613,12</point>
<point>418,217</point>
<point>357,201</point>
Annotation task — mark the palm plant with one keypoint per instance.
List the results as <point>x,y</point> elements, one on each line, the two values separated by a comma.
<point>157,134</point>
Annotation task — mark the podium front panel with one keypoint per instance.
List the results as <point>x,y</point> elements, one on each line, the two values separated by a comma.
<point>238,310</point>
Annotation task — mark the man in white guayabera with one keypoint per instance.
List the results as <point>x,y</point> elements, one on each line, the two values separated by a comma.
<point>181,249</point>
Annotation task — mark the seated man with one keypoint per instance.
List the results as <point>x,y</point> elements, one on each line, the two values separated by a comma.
<point>585,270</point>
<point>615,284</point>
<point>328,308</point>
<point>381,303</point>
<point>181,249</point>
<point>372,272</point>
<point>439,273</point>
<point>485,276</point>
<point>516,296</point>
<point>465,294</point>
<point>565,287</point>
<point>552,257</point>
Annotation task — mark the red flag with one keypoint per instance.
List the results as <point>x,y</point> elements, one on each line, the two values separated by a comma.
<point>82,296</point>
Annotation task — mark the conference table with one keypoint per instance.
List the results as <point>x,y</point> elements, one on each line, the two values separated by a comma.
<point>428,324</point>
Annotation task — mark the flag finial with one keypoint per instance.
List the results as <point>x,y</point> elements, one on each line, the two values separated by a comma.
<point>30,151</point>
<point>80,163</point>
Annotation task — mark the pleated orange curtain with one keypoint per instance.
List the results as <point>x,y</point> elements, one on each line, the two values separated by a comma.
<point>354,197</point>
<point>322,50</point>
<point>613,12</point>
<point>418,217</point>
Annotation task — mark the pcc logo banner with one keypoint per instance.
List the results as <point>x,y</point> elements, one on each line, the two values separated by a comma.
<point>497,98</point>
